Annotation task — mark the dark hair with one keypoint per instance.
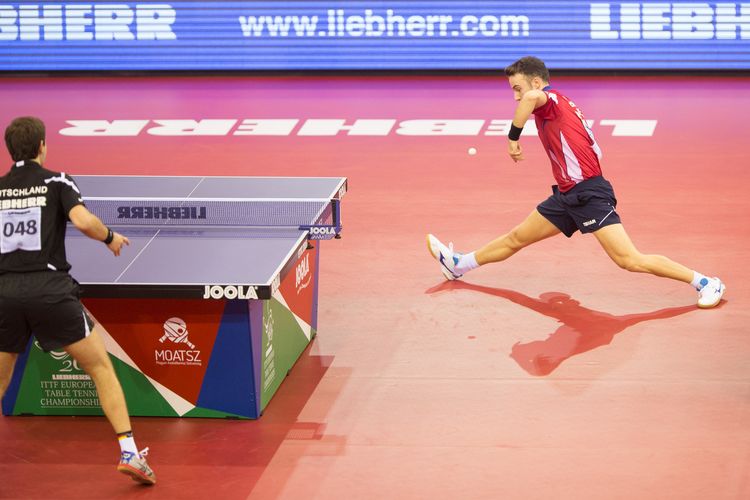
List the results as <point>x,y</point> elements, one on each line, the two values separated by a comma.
<point>528,66</point>
<point>23,136</point>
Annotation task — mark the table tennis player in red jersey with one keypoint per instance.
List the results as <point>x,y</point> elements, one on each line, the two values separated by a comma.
<point>583,200</point>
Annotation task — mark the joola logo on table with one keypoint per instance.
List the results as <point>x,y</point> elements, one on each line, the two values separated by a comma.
<point>317,233</point>
<point>229,292</point>
<point>176,331</point>
<point>302,274</point>
<point>161,212</point>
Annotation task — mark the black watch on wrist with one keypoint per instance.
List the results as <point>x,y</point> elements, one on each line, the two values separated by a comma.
<point>110,237</point>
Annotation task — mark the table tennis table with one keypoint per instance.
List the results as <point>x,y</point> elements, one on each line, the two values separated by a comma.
<point>210,305</point>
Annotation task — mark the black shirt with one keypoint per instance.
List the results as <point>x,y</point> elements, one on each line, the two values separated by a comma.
<point>34,207</point>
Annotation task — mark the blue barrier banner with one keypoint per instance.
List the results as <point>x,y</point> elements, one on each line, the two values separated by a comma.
<point>314,35</point>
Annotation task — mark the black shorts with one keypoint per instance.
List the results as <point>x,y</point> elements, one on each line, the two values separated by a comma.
<point>587,207</point>
<point>44,303</point>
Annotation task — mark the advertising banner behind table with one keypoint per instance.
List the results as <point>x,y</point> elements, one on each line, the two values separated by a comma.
<point>181,357</point>
<point>357,34</point>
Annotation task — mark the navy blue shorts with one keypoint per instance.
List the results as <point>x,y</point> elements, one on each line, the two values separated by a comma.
<point>44,303</point>
<point>587,207</point>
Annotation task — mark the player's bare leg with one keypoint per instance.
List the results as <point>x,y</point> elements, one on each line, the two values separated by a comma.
<point>533,229</point>
<point>7,362</point>
<point>453,264</point>
<point>622,251</point>
<point>616,242</point>
<point>94,360</point>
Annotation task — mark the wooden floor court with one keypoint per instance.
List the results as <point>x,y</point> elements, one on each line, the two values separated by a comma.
<point>552,375</point>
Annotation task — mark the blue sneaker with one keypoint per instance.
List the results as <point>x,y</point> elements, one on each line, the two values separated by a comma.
<point>710,294</point>
<point>135,466</point>
<point>445,255</point>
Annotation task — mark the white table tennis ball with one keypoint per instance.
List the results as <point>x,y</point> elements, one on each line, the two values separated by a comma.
<point>472,151</point>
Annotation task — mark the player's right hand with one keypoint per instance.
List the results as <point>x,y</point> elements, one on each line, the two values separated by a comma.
<point>117,242</point>
<point>514,150</point>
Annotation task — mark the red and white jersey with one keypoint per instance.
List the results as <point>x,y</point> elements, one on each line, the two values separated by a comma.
<point>568,141</point>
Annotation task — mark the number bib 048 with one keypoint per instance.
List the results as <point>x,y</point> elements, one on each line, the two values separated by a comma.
<point>21,229</point>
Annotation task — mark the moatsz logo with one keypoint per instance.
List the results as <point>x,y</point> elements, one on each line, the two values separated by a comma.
<point>176,331</point>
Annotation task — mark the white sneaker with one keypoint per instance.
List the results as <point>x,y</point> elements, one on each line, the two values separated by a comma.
<point>444,255</point>
<point>135,466</point>
<point>711,293</point>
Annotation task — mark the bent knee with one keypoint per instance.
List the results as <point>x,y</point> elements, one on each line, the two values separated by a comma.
<point>515,241</point>
<point>632,263</point>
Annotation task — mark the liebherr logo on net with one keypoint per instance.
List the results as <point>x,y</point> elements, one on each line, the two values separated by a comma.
<point>329,127</point>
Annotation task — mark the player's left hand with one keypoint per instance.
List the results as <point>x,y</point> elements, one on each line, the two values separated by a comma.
<point>514,150</point>
<point>118,241</point>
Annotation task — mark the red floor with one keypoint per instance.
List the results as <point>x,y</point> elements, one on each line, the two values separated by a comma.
<point>552,375</point>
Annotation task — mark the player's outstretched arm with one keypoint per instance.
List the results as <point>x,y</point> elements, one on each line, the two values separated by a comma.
<point>526,105</point>
<point>90,225</point>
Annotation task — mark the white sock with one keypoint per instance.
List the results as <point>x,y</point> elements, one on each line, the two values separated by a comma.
<point>466,263</point>
<point>127,443</point>
<point>699,281</point>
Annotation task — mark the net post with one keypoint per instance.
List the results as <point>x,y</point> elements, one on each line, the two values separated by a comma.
<point>336,211</point>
